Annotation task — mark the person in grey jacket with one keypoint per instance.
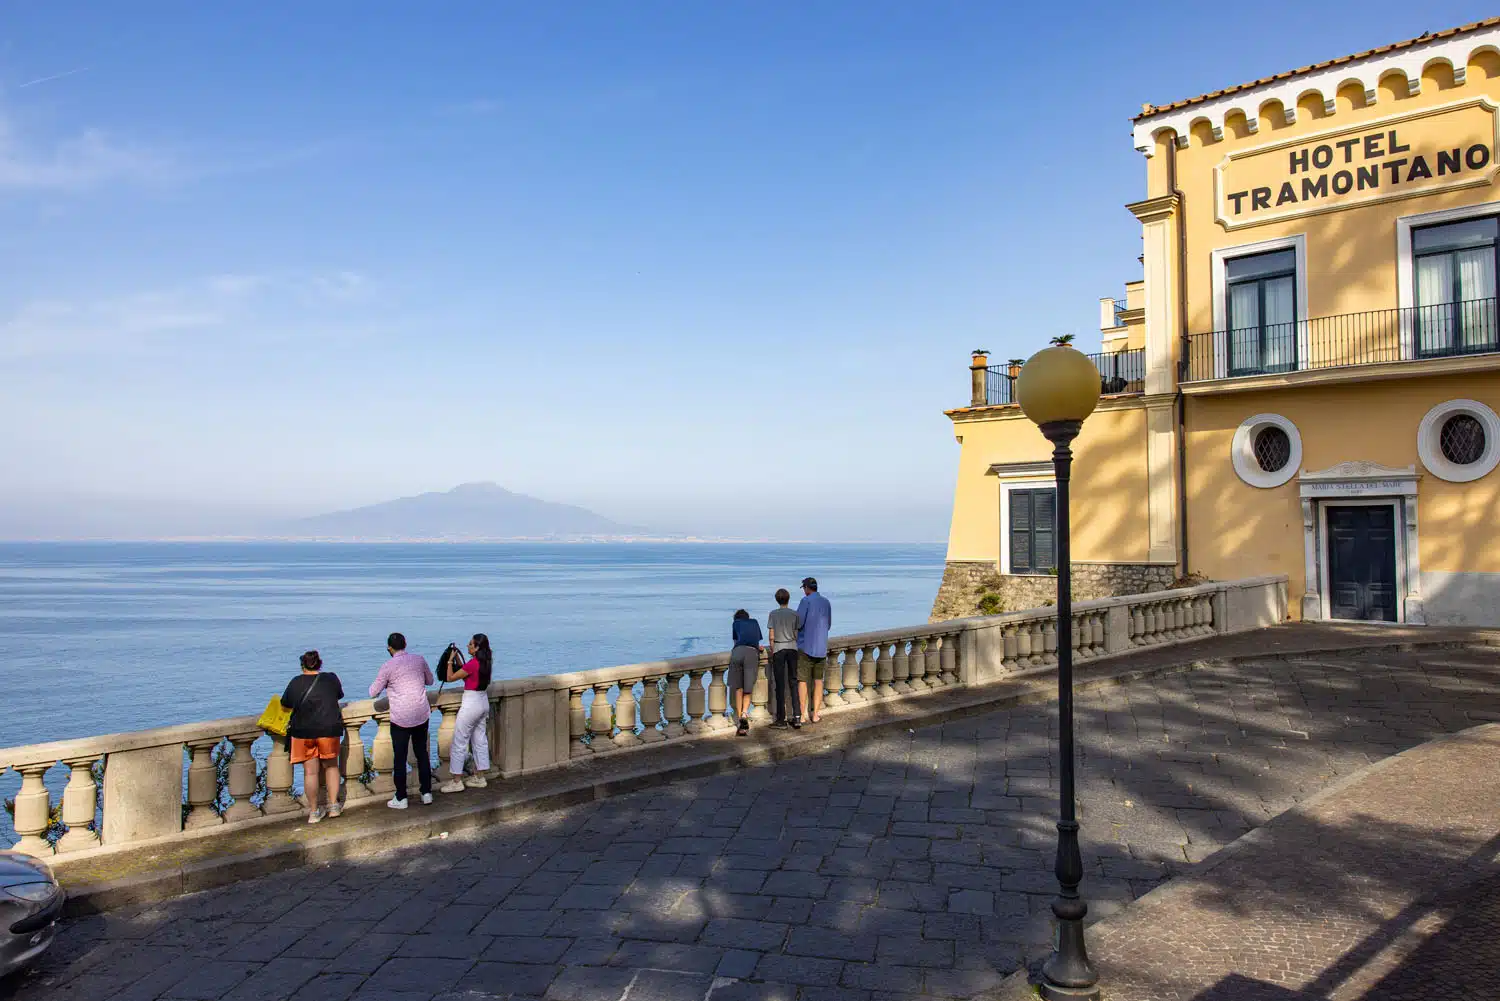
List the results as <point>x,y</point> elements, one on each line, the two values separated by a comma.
<point>744,666</point>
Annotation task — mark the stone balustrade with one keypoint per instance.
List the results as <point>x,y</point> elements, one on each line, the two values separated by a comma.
<point>99,794</point>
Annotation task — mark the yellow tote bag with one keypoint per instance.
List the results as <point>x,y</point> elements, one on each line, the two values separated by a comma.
<point>276,718</point>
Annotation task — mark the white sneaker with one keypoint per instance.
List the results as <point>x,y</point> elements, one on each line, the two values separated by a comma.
<point>396,804</point>
<point>317,816</point>
<point>475,781</point>
<point>452,785</point>
<point>427,799</point>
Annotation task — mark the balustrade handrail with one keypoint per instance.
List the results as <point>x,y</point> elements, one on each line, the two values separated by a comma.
<point>1121,373</point>
<point>1344,340</point>
<point>146,786</point>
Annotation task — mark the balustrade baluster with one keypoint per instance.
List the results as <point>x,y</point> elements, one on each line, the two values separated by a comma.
<point>948,657</point>
<point>1076,630</point>
<point>1179,619</point>
<point>80,797</point>
<point>852,696</point>
<point>833,680</point>
<point>577,723</point>
<point>241,777</point>
<point>279,798</point>
<point>203,785</point>
<point>601,725</point>
<point>382,757</point>
<point>918,664</point>
<point>884,675</point>
<point>674,704</point>
<point>760,694</point>
<point>1100,621</point>
<point>869,674</point>
<point>934,675</point>
<point>1023,649</point>
<point>1159,627</point>
<point>1010,648</point>
<point>446,725</point>
<point>33,810</point>
<point>901,670</point>
<point>1205,616</point>
<point>718,698</point>
<point>1049,643</point>
<point>1137,626</point>
<point>697,699</point>
<point>625,716</point>
<point>354,759</point>
<point>651,711</point>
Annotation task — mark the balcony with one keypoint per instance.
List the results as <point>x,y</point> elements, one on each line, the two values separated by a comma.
<point>1121,373</point>
<point>1379,337</point>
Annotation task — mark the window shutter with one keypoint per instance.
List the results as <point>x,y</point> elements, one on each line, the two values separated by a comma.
<point>1043,529</point>
<point>1020,531</point>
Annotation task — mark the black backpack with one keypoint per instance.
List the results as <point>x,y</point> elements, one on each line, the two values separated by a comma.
<point>452,659</point>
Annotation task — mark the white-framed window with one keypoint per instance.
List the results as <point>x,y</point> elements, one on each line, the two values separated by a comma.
<point>1260,307</point>
<point>1266,450</point>
<point>1446,277</point>
<point>1459,441</point>
<point>1028,526</point>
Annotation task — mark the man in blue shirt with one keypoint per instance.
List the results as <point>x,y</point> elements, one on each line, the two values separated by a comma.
<point>814,617</point>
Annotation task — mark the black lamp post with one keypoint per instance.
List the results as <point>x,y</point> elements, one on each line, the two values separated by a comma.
<point>1057,388</point>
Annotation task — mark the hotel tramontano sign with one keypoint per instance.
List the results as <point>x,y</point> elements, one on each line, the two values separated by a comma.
<point>1398,157</point>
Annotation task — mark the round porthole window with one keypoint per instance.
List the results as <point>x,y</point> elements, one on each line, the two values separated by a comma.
<point>1459,441</point>
<point>1273,449</point>
<point>1266,451</point>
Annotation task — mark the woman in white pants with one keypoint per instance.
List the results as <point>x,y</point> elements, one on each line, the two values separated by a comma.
<point>472,728</point>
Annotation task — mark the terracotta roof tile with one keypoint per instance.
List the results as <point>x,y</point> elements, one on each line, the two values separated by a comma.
<point>1430,36</point>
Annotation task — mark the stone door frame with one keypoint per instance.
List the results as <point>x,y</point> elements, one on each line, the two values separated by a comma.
<point>1361,483</point>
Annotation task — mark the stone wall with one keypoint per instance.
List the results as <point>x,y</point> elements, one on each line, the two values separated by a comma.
<point>964,584</point>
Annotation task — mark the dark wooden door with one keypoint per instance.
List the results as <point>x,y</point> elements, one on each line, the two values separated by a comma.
<point>1362,562</point>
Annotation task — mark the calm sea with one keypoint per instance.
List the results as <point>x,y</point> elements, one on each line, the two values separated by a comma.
<point>99,638</point>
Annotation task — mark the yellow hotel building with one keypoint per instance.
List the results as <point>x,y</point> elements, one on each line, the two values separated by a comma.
<point>1305,379</point>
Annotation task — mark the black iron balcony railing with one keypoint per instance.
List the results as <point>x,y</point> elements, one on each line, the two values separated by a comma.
<point>1373,338</point>
<point>1120,373</point>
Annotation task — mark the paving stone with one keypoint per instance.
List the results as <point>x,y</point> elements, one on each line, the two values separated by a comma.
<point>667,985</point>
<point>799,970</point>
<point>507,978</point>
<point>409,974</point>
<point>734,933</point>
<point>738,964</point>
<point>329,987</point>
<point>590,983</point>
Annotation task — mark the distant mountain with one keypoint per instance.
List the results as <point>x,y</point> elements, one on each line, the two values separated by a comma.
<point>471,511</point>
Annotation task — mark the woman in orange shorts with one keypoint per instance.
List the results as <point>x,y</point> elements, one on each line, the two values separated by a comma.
<point>316,726</point>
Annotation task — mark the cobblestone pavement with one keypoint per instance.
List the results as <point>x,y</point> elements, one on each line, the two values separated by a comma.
<point>914,865</point>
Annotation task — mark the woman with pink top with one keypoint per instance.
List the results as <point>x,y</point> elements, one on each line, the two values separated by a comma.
<point>406,677</point>
<point>472,725</point>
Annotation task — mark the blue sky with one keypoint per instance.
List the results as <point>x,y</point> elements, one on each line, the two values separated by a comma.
<point>708,267</point>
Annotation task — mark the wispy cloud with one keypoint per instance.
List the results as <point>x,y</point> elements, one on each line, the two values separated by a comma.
<point>49,79</point>
<point>149,321</point>
<point>341,285</point>
<point>88,159</point>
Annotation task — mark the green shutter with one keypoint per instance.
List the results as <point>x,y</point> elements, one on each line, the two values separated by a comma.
<point>1043,530</point>
<point>1020,531</point>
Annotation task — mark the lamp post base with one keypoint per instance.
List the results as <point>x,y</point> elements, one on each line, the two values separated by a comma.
<point>1053,992</point>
